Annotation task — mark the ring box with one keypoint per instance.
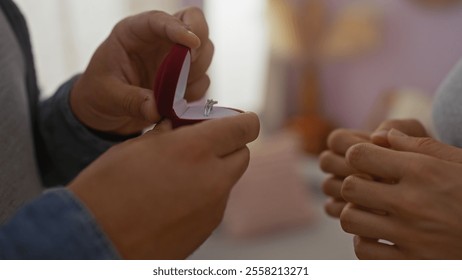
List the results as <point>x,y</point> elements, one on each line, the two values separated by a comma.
<point>170,88</point>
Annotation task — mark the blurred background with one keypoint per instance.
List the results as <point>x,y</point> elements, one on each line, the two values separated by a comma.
<point>306,67</point>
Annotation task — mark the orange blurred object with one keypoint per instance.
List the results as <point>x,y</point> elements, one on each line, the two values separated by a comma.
<point>313,131</point>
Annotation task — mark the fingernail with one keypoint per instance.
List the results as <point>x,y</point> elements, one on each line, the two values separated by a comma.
<point>396,133</point>
<point>190,33</point>
<point>380,133</point>
<point>380,138</point>
<point>196,41</point>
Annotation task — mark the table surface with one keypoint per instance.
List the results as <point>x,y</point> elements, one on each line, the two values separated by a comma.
<point>321,240</point>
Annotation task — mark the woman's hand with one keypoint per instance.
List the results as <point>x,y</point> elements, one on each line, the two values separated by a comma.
<point>422,200</point>
<point>333,161</point>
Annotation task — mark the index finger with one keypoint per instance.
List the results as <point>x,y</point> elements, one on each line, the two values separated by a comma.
<point>341,140</point>
<point>147,28</point>
<point>378,161</point>
<point>227,135</point>
<point>411,127</point>
<point>195,20</point>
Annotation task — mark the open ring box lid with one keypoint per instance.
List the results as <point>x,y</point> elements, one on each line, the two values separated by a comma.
<point>170,87</point>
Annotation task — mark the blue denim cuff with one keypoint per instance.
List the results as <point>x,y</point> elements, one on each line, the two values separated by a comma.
<point>55,226</point>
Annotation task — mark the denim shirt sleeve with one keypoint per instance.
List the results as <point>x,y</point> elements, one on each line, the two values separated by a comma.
<point>66,145</point>
<point>54,226</point>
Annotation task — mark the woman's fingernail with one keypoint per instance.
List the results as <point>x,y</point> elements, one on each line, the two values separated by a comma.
<point>397,133</point>
<point>380,133</point>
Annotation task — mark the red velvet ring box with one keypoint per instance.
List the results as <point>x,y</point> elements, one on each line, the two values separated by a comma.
<point>170,87</point>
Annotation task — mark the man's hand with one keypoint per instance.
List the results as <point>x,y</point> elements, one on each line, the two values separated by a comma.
<point>422,199</point>
<point>114,94</point>
<point>161,195</point>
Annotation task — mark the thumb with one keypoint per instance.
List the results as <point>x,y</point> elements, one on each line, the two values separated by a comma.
<point>164,125</point>
<point>423,145</point>
<point>411,127</point>
<point>138,103</point>
<point>161,127</point>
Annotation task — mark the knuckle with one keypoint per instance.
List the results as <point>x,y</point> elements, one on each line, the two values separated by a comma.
<point>195,10</point>
<point>120,24</point>
<point>410,126</point>
<point>327,187</point>
<point>246,155</point>
<point>157,14</point>
<point>245,160</point>
<point>412,123</point>
<point>127,103</point>
<point>198,88</point>
<point>419,167</point>
<point>217,218</point>
<point>336,136</point>
<point>348,186</point>
<point>360,250</point>
<point>346,220</point>
<point>206,81</point>
<point>425,143</point>
<point>332,210</point>
<point>130,105</point>
<point>325,161</point>
<point>395,205</point>
<point>211,47</point>
<point>398,123</point>
<point>410,205</point>
<point>356,153</point>
<point>390,123</point>
<point>198,19</point>
<point>241,130</point>
<point>332,187</point>
<point>161,19</point>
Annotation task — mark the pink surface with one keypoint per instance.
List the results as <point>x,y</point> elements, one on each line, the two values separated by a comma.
<point>271,196</point>
<point>420,47</point>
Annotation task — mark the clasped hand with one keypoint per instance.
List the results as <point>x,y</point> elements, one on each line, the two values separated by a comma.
<point>399,185</point>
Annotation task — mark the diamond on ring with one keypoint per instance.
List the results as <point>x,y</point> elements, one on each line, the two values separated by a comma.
<point>208,108</point>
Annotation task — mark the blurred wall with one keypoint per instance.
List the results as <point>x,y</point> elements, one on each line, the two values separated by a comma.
<point>420,46</point>
<point>239,68</point>
<point>65,33</point>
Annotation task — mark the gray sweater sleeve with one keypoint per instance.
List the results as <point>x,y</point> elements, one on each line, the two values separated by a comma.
<point>447,108</point>
<point>67,146</point>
